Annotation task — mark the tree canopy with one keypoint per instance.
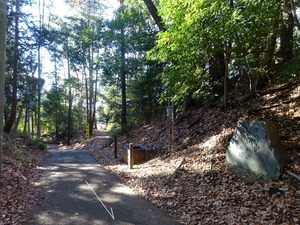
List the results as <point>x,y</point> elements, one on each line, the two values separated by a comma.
<point>119,71</point>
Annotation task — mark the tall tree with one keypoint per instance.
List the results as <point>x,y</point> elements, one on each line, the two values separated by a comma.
<point>41,5</point>
<point>14,100</point>
<point>123,79</point>
<point>69,119</point>
<point>3,16</point>
<point>141,82</point>
<point>286,31</point>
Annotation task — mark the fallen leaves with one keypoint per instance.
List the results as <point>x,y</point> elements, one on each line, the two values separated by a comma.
<point>204,191</point>
<point>20,161</point>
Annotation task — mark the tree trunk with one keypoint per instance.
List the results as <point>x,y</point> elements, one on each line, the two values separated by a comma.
<point>3,16</point>
<point>294,13</point>
<point>217,69</point>
<point>17,122</point>
<point>88,119</point>
<point>91,90</point>
<point>26,116</point>
<point>226,73</point>
<point>95,100</point>
<point>271,44</point>
<point>14,102</point>
<point>40,42</point>
<point>69,122</point>
<point>123,82</point>
<point>286,32</point>
<point>153,11</point>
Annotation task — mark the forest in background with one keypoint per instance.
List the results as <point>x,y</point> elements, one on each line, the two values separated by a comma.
<point>120,72</point>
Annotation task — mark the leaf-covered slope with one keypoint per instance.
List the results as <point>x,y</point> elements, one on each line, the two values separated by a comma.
<point>21,159</point>
<point>204,191</point>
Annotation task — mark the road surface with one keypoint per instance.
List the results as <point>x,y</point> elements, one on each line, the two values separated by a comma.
<point>76,190</point>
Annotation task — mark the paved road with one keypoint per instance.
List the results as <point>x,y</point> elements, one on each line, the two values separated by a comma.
<point>76,190</point>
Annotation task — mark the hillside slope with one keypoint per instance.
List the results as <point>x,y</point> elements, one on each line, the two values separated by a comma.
<point>204,191</point>
<point>21,159</point>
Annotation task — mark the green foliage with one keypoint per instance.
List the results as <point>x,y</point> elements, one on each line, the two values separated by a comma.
<point>290,71</point>
<point>177,63</point>
<point>39,144</point>
<point>143,84</point>
<point>195,30</point>
<point>54,111</point>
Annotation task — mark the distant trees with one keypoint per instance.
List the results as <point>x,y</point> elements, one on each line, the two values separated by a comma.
<point>124,68</point>
<point>143,85</point>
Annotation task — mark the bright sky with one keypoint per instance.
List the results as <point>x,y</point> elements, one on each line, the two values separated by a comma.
<point>63,9</point>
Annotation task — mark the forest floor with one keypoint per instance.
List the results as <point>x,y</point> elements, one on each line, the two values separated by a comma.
<point>21,169</point>
<point>204,191</point>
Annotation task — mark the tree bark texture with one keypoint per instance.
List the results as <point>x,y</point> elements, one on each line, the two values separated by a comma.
<point>3,19</point>
<point>286,32</point>
<point>271,44</point>
<point>14,101</point>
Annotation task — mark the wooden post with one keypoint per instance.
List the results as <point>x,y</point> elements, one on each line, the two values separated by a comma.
<point>116,146</point>
<point>130,156</point>
<point>170,119</point>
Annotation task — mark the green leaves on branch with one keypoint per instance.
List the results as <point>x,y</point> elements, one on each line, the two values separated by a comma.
<point>196,30</point>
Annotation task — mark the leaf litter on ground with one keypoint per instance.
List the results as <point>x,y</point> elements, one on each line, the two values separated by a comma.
<point>204,190</point>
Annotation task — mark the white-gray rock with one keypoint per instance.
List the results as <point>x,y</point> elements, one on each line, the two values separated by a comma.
<point>255,147</point>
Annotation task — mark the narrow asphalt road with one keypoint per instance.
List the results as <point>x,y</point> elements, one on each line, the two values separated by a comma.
<point>76,190</point>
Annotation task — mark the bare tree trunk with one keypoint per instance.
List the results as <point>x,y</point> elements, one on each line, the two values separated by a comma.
<point>26,116</point>
<point>271,44</point>
<point>14,102</point>
<point>17,122</point>
<point>294,13</point>
<point>95,100</point>
<point>123,82</point>
<point>286,32</point>
<point>217,69</point>
<point>41,21</point>
<point>3,16</point>
<point>69,123</point>
<point>153,11</point>
<point>88,119</point>
<point>91,90</point>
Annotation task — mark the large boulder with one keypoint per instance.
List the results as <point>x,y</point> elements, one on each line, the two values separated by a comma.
<point>255,147</point>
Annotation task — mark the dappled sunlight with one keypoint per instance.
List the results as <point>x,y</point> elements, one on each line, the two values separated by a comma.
<point>210,143</point>
<point>121,189</point>
<point>85,167</point>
